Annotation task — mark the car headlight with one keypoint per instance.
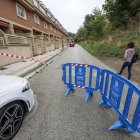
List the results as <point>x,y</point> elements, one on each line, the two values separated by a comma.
<point>27,87</point>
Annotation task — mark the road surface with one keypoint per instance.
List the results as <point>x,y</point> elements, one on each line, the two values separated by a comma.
<point>57,117</point>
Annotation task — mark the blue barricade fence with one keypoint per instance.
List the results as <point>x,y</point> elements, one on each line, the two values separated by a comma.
<point>82,76</point>
<point>117,92</point>
<point>112,88</point>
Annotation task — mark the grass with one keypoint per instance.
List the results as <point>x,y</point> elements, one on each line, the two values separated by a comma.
<point>115,48</point>
<point>98,49</point>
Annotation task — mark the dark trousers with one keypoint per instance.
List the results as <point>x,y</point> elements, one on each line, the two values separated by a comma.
<point>129,65</point>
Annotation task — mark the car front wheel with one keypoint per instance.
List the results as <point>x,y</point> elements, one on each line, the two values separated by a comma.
<point>11,117</point>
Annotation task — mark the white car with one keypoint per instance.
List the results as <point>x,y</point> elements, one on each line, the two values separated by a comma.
<point>16,98</point>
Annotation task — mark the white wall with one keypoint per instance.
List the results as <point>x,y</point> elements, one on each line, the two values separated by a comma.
<point>18,50</point>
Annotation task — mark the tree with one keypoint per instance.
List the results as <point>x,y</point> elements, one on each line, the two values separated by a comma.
<point>94,24</point>
<point>71,34</point>
<point>80,35</point>
<point>120,12</point>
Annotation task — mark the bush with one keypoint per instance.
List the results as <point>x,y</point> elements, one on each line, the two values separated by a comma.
<point>114,48</point>
<point>98,49</point>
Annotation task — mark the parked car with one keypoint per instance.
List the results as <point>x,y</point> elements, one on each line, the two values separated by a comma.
<point>16,98</point>
<point>71,44</point>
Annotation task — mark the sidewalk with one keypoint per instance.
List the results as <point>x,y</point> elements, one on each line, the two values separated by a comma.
<point>22,68</point>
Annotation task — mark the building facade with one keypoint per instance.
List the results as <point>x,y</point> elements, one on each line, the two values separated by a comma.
<point>28,28</point>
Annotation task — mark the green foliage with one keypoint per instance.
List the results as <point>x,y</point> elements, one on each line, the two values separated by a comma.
<point>106,33</point>
<point>120,12</point>
<point>99,49</point>
<point>134,7</point>
<point>71,34</point>
<point>102,48</point>
<point>93,28</point>
<point>94,24</point>
<point>80,36</point>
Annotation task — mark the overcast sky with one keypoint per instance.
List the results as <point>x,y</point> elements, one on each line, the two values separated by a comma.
<point>71,13</point>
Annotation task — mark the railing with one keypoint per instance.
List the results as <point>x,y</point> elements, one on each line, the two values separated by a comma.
<point>2,41</point>
<point>46,42</point>
<point>46,37</point>
<point>38,36</point>
<point>13,39</point>
<point>38,42</point>
<point>30,1</point>
<point>23,34</point>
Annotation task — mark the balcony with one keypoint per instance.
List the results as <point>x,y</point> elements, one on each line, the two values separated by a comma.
<point>27,4</point>
<point>38,36</point>
<point>30,1</point>
<point>2,42</point>
<point>37,42</point>
<point>16,40</point>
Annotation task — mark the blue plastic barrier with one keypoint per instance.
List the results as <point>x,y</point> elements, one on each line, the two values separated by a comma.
<point>112,88</point>
<point>82,76</point>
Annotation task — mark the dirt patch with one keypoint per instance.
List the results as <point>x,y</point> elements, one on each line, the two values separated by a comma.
<point>116,63</point>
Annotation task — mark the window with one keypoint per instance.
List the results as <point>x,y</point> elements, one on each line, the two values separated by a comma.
<point>45,25</point>
<point>21,12</point>
<point>36,19</point>
<point>53,19</point>
<point>35,3</point>
<point>43,11</point>
<point>49,15</point>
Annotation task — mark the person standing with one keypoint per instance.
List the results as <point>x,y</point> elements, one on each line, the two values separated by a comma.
<point>129,53</point>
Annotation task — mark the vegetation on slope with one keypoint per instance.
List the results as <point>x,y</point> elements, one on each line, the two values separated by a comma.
<point>106,32</point>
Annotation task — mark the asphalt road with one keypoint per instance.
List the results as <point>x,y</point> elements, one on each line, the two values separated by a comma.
<point>57,117</point>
